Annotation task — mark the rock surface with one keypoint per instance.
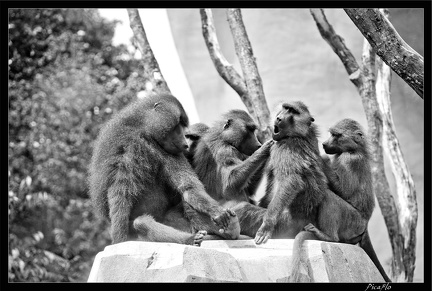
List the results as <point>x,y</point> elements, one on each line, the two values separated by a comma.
<point>230,261</point>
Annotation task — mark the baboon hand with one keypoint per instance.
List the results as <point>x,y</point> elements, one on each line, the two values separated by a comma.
<point>198,238</point>
<point>263,233</point>
<point>229,223</point>
<point>267,145</point>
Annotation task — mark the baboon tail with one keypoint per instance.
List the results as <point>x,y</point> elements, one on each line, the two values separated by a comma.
<point>297,255</point>
<point>366,245</point>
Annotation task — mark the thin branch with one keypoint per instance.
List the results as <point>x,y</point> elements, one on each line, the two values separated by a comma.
<point>406,201</point>
<point>337,43</point>
<point>223,67</point>
<point>390,46</point>
<point>151,68</point>
<point>244,52</point>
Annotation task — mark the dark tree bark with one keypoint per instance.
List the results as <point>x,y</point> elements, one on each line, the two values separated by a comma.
<point>152,73</point>
<point>392,49</point>
<point>364,79</point>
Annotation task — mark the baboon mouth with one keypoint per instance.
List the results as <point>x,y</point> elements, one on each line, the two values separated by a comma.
<point>276,129</point>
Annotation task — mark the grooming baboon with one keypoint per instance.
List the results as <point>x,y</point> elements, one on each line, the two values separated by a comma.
<point>193,134</point>
<point>229,161</point>
<point>222,159</point>
<point>299,186</point>
<point>139,174</point>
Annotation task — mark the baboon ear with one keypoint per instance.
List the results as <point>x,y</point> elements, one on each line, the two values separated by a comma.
<point>227,123</point>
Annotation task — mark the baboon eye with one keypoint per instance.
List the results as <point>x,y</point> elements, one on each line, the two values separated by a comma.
<point>251,128</point>
<point>292,110</point>
<point>227,124</point>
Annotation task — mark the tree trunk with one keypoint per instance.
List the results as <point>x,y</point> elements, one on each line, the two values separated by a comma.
<point>406,202</point>
<point>251,75</point>
<point>152,73</point>
<point>391,48</point>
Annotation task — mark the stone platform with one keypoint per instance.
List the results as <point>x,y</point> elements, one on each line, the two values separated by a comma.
<point>230,261</point>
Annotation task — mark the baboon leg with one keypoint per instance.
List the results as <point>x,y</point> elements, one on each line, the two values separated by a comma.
<point>251,218</point>
<point>319,234</point>
<point>148,229</point>
<point>202,221</point>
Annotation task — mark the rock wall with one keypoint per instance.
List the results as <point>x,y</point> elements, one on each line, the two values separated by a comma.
<point>230,261</point>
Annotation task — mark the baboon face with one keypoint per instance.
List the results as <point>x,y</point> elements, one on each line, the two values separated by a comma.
<point>239,131</point>
<point>167,123</point>
<point>194,133</point>
<point>346,136</point>
<point>293,120</point>
<point>175,142</point>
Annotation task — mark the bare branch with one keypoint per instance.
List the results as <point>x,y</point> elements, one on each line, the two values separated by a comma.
<point>406,201</point>
<point>337,43</point>
<point>223,67</point>
<point>392,49</point>
<point>250,71</point>
<point>380,183</point>
<point>151,68</point>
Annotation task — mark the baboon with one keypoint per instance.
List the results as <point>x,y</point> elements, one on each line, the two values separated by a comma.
<point>193,134</point>
<point>139,175</point>
<point>295,182</point>
<point>299,186</point>
<point>350,174</point>
<point>229,160</point>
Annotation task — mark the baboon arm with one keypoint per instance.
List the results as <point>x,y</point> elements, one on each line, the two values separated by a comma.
<point>184,180</point>
<point>150,230</point>
<point>286,190</point>
<point>237,174</point>
<point>120,206</point>
<point>344,180</point>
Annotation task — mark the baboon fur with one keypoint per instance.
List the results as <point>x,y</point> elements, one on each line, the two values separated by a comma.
<point>193,135</point>
<point>350,175</point>
<point>139,174</point>
<point>230,162</point>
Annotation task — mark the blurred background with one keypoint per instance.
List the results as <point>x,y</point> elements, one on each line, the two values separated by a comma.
<point>71,69</point>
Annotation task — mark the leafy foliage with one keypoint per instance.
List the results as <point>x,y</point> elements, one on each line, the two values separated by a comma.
<point>65,80</point>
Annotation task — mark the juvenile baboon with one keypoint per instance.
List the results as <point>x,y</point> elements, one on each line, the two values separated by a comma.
<point>350,176</point>
<point>299,186</point>
<point>193,134</point>
<point>349,173</point>
<point>139,174</point>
